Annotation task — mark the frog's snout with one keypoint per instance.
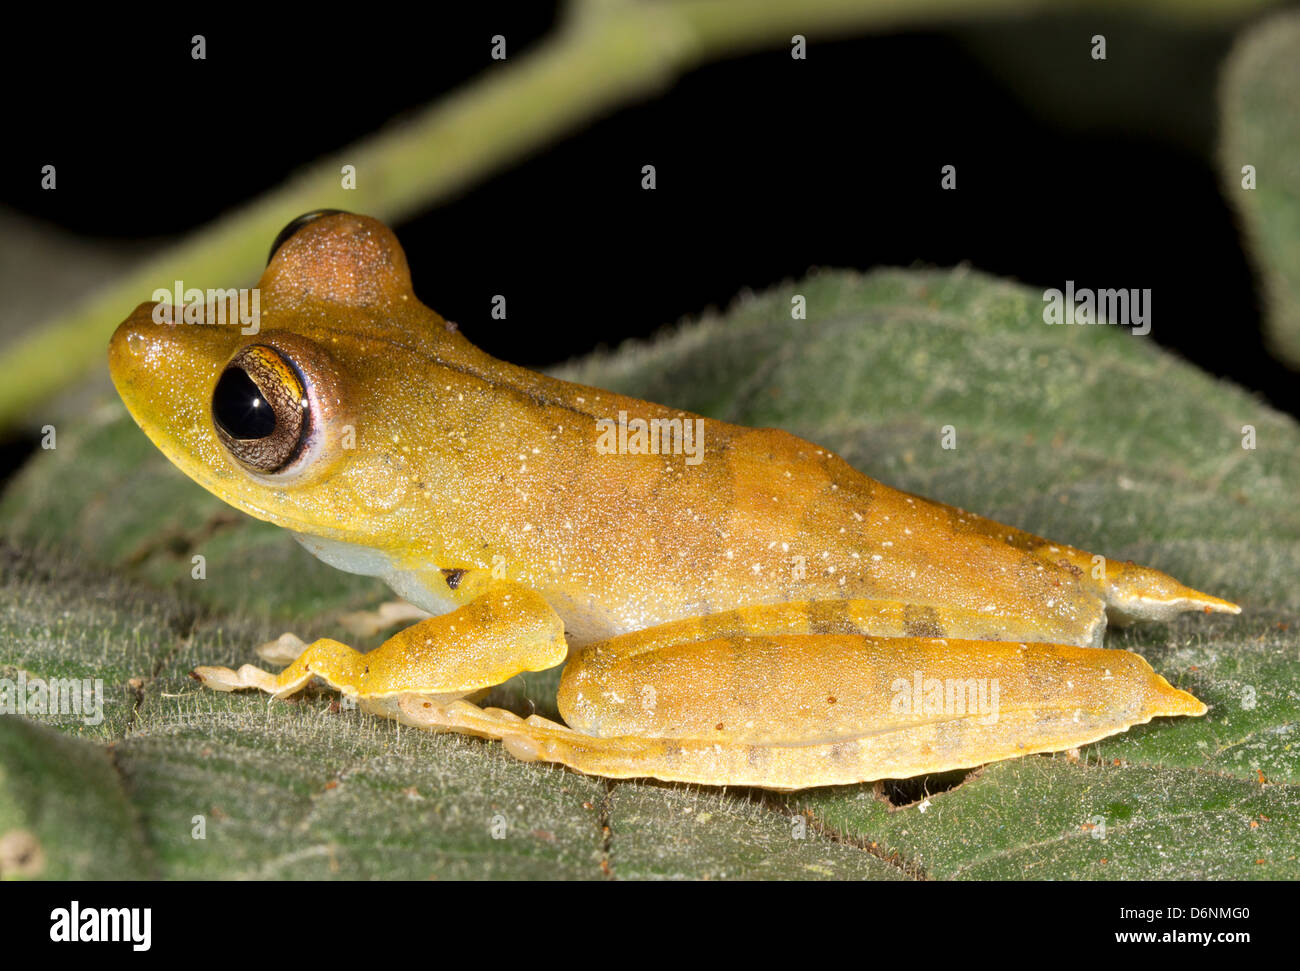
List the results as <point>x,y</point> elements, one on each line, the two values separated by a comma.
<point>143,349</point>
<point>164,372</point>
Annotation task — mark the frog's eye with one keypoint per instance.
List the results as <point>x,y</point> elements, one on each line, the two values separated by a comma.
<point>297,224</point>
<point>261,409</point>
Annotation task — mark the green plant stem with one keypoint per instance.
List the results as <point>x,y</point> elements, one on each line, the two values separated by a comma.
<point>608,53</point>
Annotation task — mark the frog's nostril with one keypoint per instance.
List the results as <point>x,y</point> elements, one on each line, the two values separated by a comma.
<point>135,343</point>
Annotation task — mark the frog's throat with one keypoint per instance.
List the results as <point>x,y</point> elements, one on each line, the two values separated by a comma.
<point>355,558</point>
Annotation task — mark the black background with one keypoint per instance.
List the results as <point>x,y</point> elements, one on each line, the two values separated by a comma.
<point>324,922</point>
<point>766,166</point>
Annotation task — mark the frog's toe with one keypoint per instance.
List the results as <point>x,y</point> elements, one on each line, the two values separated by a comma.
<point>367,623</point>
<point>225,679</point>
<point>284,650</point>
<point>528,739</point>
<point>281,685</point>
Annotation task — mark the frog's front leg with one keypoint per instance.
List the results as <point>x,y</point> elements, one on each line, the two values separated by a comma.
<point>503,630</point>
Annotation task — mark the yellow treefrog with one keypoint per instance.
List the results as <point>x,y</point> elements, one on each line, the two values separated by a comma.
<point>655,550</point>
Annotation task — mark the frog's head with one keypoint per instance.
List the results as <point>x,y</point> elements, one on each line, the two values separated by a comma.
<point>300,412</point>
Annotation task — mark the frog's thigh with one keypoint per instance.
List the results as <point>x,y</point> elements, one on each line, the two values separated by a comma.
<point>791,711</point>
<point>501,633</point>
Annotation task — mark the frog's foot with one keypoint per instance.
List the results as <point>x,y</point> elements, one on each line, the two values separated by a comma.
<point>286,648</point>
<point>367,623</point>
<point>536,739</point>
<point>525,738</point>
<point>337,664</point>
<point>501,633</point>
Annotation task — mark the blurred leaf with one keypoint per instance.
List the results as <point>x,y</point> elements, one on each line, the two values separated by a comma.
<point>1085,434</point>
<point>64,810</point>
<point>1154,84</point>
<point>1261,128</point>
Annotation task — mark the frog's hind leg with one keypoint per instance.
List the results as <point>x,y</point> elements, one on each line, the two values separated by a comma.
<point>793,711</point>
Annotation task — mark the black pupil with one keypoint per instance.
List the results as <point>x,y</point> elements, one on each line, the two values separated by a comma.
<point>239,408</point>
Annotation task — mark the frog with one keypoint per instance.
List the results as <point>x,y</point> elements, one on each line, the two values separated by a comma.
<point>731,606</point>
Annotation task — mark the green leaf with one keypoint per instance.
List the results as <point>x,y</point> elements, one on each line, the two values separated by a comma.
<point>1261,128</point>
<point>64,813</point>
<point>1089,435</point>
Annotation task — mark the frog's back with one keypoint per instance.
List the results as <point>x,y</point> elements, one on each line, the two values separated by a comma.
<point>637,514</point>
